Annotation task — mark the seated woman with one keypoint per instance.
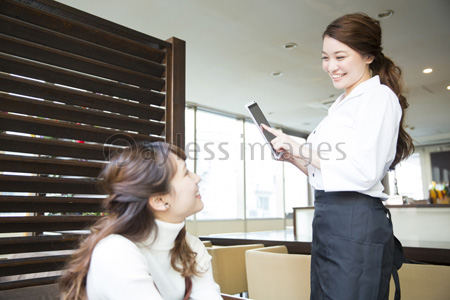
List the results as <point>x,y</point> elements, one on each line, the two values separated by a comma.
<point>140,249</point>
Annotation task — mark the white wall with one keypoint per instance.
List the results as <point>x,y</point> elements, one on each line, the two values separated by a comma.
<point>421,223</point>
<point>201,228</point>
<point>412,225</point>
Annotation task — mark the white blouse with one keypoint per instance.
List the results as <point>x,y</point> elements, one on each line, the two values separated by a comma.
<point>357,141</point>
<point>119,268</point>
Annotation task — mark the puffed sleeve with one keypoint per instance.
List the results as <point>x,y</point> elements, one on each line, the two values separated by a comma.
<point>371,150</point>
<point>203,286</point>
<point>118,271</point>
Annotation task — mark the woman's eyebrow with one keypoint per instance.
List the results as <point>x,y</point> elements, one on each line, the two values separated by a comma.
<point>340,51</point>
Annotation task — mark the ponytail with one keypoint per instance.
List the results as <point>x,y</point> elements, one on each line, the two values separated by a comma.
<point>391,75</point>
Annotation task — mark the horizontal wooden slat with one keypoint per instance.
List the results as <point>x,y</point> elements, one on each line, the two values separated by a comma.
<point>65,130</point>
<point>32,265</point>
<point>48,91</point>
<point>10,285</point>
<point>67,12</point>
<point>45,223</point>
<point>38,184</point>
<point>18,66</point>
<point>49,204</point>
<point>47,109</point>
<point>39,243</point>
<point>78,63</point>
<point>40,165</point>
<point>15,28</point>
<point>44,146</point>
<point>92,29</point>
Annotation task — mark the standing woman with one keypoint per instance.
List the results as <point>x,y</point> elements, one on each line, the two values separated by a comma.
<point>346,157</point>
<point>140,249</point>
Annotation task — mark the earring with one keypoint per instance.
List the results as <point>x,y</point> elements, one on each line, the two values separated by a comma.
<point>167,205</point>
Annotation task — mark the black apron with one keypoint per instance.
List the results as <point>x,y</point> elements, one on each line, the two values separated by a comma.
<point>352,252</point>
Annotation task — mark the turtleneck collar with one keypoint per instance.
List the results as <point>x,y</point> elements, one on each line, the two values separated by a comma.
<point>167,233</point>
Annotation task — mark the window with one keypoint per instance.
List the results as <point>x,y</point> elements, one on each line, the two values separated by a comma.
<point>221,149</point>
<point>406,180</point>
<point>264,177</point>
<point>190,142</point>
<point>219,165</point>
<point>295,186</point>
<point>190,139</point>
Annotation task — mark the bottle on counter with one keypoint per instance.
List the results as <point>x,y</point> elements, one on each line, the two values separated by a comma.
<point>433,193</point>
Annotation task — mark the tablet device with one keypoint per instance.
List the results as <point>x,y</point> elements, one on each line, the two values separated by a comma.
<point>259,118</point>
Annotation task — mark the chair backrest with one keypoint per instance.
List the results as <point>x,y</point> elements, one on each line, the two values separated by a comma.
<point>273,274</point>
<point>74,88</point>
<point>228,266</point>
<point>207,243</point>
<point>233,297</point>
<point>420,281</point>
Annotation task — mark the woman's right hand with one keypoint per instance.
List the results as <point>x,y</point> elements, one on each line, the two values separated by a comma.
<point>283,143</point>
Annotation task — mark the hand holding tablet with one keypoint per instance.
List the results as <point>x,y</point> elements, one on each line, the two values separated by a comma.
<point>259,118</point>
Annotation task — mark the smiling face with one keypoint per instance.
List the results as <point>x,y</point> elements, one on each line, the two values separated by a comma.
<point>184,200</point>
<point>346,67</point>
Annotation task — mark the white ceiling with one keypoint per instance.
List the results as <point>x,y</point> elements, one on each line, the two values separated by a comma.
<point>233,46</point>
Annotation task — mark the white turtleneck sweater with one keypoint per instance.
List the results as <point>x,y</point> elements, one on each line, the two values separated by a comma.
<point>120,269</point>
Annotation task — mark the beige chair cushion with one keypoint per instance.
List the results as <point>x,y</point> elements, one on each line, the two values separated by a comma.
<point>273,274</point>
<point>228,266</point>
<point>207,243</point>
<point>420,282</point>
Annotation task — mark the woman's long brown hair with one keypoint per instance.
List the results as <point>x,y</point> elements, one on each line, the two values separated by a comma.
<point>363,34</point>
<point>129,179</point>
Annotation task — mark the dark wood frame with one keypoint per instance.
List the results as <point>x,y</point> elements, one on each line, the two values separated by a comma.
<point>129,87</point>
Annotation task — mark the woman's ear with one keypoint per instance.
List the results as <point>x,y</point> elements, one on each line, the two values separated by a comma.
<point>158,203</point>
<point>370,59</point>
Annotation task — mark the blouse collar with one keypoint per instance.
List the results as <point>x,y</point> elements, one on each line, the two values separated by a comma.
<point>357,91</point>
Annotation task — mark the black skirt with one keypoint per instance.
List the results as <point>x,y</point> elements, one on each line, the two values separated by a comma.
<point>352,247</point>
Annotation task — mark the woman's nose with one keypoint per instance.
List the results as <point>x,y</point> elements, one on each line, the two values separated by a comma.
<point>332,66</point>
<point>197,178</point>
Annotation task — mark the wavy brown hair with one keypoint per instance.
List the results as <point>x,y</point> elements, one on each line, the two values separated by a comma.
<point>363,34</point>
<point>129,179</point>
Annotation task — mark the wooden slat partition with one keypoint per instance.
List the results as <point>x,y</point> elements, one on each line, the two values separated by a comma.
<point>74,89</point>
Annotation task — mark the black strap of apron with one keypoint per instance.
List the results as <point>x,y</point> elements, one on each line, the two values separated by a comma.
<point>397,284</point>
<point>398,262</point>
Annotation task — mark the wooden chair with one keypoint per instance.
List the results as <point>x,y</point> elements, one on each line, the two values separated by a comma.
<point>422,281</point>
<point>228,265</point>
<point>274,274</point>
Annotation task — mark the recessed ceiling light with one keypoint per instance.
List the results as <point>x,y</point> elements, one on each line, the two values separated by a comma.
<point>276,74</point>
<point>428,70</point>
<point>289,45</point>
<point>448,87</point>
<point>386,14</point>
